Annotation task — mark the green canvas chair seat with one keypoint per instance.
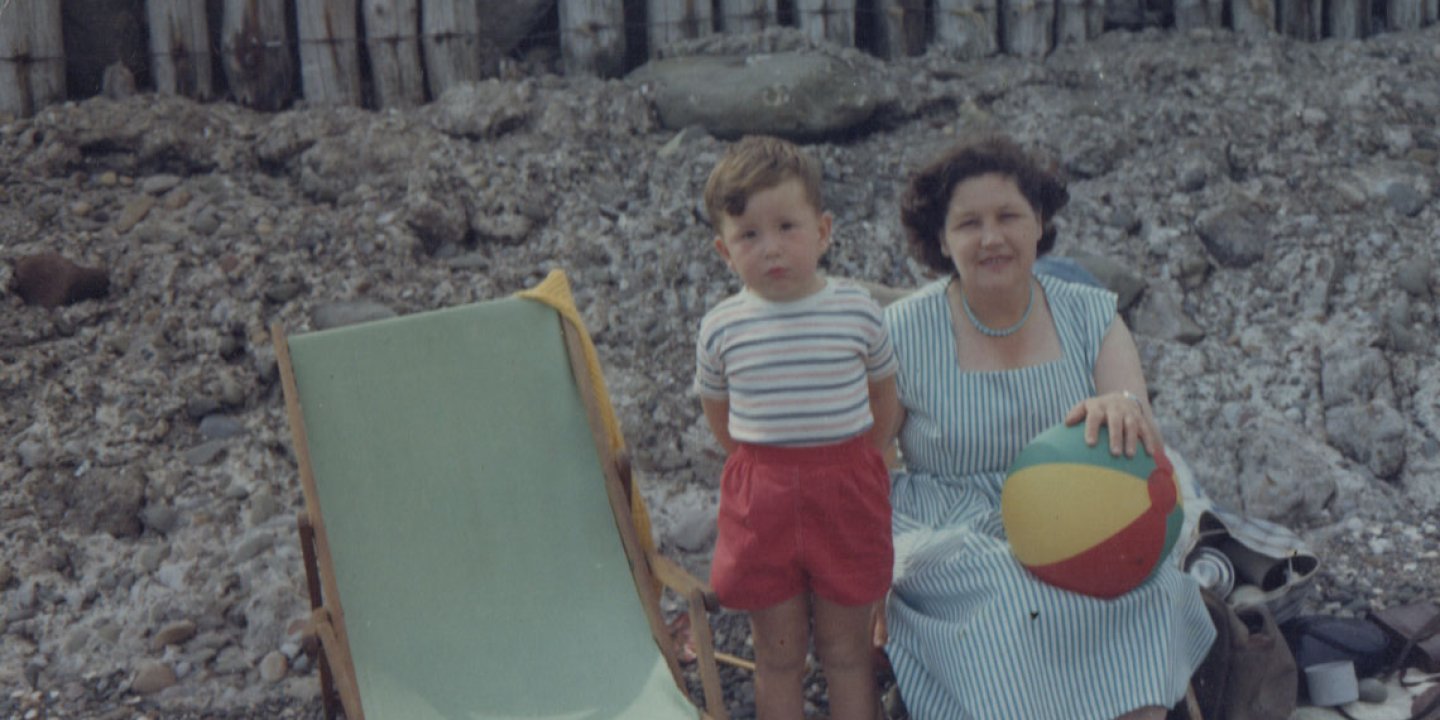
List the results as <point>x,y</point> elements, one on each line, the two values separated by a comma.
<point>474,559</point>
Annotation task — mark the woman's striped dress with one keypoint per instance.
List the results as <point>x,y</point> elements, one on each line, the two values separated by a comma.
<point>972,634</point>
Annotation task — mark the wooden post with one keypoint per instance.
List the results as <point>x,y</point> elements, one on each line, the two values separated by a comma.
<point>674,20</point>
<point>592,37</point>
<point>1252,17</point>
<point>900,27</point>
<point>747,16</point>
<point>1349,19</point>
<point>1432,12</point>
<point>1192,14</point>
<point>1072,21</point>
<point>1095,17</point>
<point>329,51</point>
<point>827,20</point>
<point>391,29</point>
<point>450,32</point>
<point>1301,19</point>
<point>970,28</point>
<point>255,45</point>
<point>180,48</point>
<point>1027,26</point>
<point>32,56</point>
<point>1404,14</point>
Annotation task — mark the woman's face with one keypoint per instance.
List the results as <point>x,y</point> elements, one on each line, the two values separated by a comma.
<point>991,232</point>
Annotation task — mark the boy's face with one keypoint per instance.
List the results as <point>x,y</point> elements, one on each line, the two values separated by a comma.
<point>775,246</point>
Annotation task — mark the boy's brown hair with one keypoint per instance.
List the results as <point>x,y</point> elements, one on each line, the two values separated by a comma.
<point>754,164</point>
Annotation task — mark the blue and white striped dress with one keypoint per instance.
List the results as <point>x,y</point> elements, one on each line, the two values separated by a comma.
<point>972,633</point>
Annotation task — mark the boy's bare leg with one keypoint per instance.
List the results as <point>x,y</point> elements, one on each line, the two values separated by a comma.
<point>843,640</point>
<point>782,640</point>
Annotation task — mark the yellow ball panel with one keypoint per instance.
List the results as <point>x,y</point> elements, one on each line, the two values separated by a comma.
<point>1055,511</point>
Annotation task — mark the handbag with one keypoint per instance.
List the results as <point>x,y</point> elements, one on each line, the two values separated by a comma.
<point>1416,627</point>
<point>1249,673</point>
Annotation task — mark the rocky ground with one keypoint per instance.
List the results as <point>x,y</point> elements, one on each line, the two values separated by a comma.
<point>1268,209</point>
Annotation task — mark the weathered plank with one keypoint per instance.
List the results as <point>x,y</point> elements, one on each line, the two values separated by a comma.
<point>747,16</point>
<point>1026,27</point>
<point>1404,14</point>
<point>1192,14</point>
<point>592,37</point>
<point>1349,19</point>
<point>1095,17</point>
<point>827,20</point>
<point>1252,17</point>
<point>1301,19</point>
<point>900,28</point>
<point>450,35</point>
<point>256,53</point>
<point>180,58</point>
<point>391,31</point>
<point>674,20</point>
<point>329,52</point>
<point>968,28</point>
<point>1072,21</point>
<point>32,56</point>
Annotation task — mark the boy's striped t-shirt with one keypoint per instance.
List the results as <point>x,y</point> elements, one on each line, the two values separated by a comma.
<point>795,373</point>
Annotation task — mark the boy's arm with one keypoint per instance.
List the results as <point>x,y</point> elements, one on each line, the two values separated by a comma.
<point>717,413</point>
<point>885,407</point>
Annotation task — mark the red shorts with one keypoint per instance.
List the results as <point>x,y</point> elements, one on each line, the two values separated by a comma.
<point>803,519</point>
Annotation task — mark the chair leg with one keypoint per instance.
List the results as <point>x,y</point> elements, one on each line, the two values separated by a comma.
<point>1192,706</point>
<point>705,652</point>
<point>328,697</point>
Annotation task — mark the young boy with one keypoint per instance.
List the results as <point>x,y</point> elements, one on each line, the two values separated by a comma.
<point>797,379</point>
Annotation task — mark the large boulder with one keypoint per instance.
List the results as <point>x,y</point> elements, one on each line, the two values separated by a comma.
<point>799,95</point>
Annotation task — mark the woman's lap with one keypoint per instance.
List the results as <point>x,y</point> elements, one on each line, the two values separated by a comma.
<point>972,634</point>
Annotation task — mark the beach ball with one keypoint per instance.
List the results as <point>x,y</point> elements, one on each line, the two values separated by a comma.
<point>1084,520</point>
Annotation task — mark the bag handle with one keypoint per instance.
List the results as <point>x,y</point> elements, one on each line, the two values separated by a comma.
<point>1430,629</point>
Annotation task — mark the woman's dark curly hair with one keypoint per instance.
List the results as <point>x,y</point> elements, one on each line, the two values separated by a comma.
<point>926,200</point>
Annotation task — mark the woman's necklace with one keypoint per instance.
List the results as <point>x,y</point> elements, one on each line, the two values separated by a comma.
<point>988,331</point>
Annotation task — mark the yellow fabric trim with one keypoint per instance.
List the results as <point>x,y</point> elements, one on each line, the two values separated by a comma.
<point>554,291</point>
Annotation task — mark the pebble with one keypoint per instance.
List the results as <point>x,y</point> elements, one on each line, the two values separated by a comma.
<point>176,199</point>
<point>134,212</point>
<point>263,506</point>
<point>253,544</point>
<point>152,677</point>
<point>1414,277</point>
<point>159,184</point>
<point>160,518</point>
<point>220,427</point>
<point>206,453</point>
<point>273,667</point>
<point>1373,691</point>
<point>205,222</point>
<point>175,633</point>
<point>198,408</point>
<point>1404,198</point>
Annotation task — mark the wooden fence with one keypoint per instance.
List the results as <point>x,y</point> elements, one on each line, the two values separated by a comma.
<point>397,53</point>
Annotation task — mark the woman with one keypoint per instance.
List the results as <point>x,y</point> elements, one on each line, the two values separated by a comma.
<point>991,356</point>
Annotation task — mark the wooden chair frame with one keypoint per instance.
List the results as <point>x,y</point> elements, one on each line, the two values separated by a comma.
<point>649,570</point>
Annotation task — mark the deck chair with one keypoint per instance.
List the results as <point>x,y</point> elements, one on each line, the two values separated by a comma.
<point>473,544</point>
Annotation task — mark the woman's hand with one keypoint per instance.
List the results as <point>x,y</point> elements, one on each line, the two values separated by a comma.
<point>1126,415</point>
